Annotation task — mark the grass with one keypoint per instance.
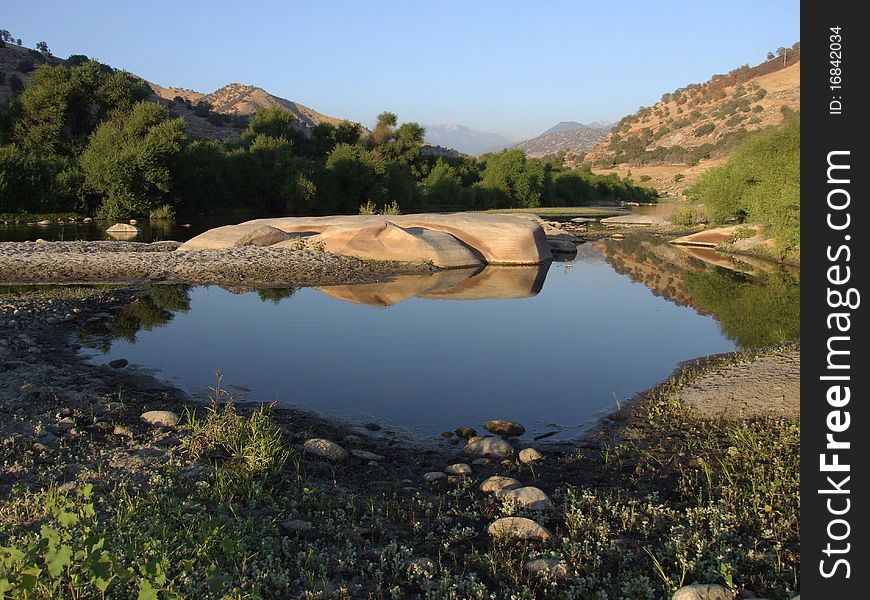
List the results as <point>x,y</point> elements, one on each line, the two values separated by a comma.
<point>671,499</point>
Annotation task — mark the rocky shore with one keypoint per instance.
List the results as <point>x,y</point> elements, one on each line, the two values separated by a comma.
<point>127,262</point>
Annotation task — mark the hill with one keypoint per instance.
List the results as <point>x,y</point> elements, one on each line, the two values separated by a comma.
<point>580,139</point>
<point>572,125</point>
<point>695,127</point>
<point>464,139</point>
<point>16,65</point>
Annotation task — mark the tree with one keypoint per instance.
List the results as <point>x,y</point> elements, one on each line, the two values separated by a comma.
<point>353,176</point>
<point>518,180</point>
<point>43,48</point>
<point>384,128</point>
<point>129,160</point>
<point>273,122</point>
<point>770,56</point>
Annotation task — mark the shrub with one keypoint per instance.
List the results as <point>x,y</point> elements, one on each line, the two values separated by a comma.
<point>686,217</point>
<point>162,212</point>
<point>679,177</point>
<point>704,129</point>
<point>644,178</point>
<point>25,65</point>
<point>368,208</point>
<point>392,208</point>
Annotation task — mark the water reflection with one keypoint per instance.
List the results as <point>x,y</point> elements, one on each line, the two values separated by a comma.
<point>756,302</point>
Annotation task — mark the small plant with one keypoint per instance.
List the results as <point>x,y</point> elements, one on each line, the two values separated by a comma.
<point>368,208</point>
<point>703,130</point>
<point>643,178</point>
<point>391,209</point>
<point>163,212</point>
<point>679,177</point>
<point>743,233</point>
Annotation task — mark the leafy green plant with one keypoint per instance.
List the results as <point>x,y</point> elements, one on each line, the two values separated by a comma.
<point>368,208</point>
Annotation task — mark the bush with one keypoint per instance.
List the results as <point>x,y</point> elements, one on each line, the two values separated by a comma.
<point>679,177</point>
<point>704,129</point>
<point>368,208</point>
<point>760,182</point>
<point>162,212</point>
<point>644,178</point>
<point>686,217</point>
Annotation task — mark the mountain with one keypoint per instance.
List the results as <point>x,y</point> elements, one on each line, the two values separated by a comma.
<point>703,121</point>
<point>464,139</point>
<point>573,125</point>
<point>577,139</point>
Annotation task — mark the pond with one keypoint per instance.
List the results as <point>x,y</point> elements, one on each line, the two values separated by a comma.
<point>551,347</point>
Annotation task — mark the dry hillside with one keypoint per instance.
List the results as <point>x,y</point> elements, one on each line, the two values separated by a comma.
<point>16,65</point>
<point>581,139</point>
<point>669,145</point>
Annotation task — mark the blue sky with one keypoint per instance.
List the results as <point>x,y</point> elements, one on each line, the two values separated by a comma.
<point>494,65</point>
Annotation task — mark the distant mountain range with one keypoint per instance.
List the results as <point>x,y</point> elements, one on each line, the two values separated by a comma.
<point>574,125</point>
<point>567,136</point>
<point>465,139</point>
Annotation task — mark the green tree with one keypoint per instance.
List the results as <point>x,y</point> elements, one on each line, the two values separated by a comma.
<point>510,177</point>
<point>353,176</point>
<point>384,130</point>
<point>273,122</point>
<point>129,160</point>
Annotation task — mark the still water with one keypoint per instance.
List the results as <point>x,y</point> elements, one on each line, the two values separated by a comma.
<point>551,347</point>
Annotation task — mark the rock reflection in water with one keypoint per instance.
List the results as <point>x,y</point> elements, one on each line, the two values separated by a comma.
<point>489,282</point>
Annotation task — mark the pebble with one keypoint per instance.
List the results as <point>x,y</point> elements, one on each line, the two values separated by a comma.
<point>490,446</point>
<point>548,568</point>
<point>434,476</point>
<point>458,469</point>
<point>530,455</point>
<point>366,455</point>
<point>465,432</point>
<point>505,428</point>
<point>530,498</point>
<point>499,482</point>
<point>163,418</point>
<point>118,363</point>
<point>324,448</point>
<point>520,528</point>
<point>700,591</point>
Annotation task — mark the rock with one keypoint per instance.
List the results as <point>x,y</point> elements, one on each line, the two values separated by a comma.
<point>711,238</point>
<point>87,220</point>
<point>561,246</point>
<point>548,568</point>
<point>530,455</point>
<point>520,528</point>
<point>505,428</point>
<point>49,439</point>
<point>162,418</point>
<point>490,446</point>
<point>123,228</point>
<point>366,455</point>
<point>423,566</point>
<point>465,432</point>
<point>352,439</point>
<point>384,240</point>
<point>700,591</point>
<point>583,220</point>
<point>122,431</point>
<point>458,469</point>
<point>635,220</point>
<point>119,363</point>
<point>296,526</point>
<point>447,434</point>
<point>325,448</point>
<point>481,462</point>
<point>499,239</point>
<point>44,222</point>
<point>499,482</point>
<point>233,236</point>
<point>434,476</point>
<point>530,498</point>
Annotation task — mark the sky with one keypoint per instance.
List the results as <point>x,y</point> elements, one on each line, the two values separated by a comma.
<point>493,65</point>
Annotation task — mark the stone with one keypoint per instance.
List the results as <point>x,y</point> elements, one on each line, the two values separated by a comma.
<point>325,449</point>
<point>465,432</point>
<point>481,462</point>
<point>505,428</point>
<point>530,455</point>
<point>520,528</point>
<point>710,238</point>
<point>562,246</point>
<point>234,236</point>
<point>296,526</point>
<point>458,469</point>
<point>123,228</point>
<point>422,566</point>
<point>499,239</point>
<point>434,476</point>
<point>44,222</point>
<point>87,220</point>
<point>701,591</point>
<point>366,455</point>
<point>530,498</point>
<point>488,447</point>
<point>548,568</point>
<point>162,418</point>
<point>635,220</point>
<point>119,363</point>
<point>385,240</point>
<point>499,482</point>
<point>122,431</point>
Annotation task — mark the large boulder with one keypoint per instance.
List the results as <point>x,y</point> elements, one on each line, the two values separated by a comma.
<point>232,236</point>
<point>488,447</point>
<point>385,240</point>
<point>498,239</point>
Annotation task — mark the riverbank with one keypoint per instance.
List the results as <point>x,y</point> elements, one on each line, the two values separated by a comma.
<point>227,501</point>
<point>131,262</point>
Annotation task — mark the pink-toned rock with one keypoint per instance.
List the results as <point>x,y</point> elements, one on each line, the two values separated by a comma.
<point>232,236</point>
